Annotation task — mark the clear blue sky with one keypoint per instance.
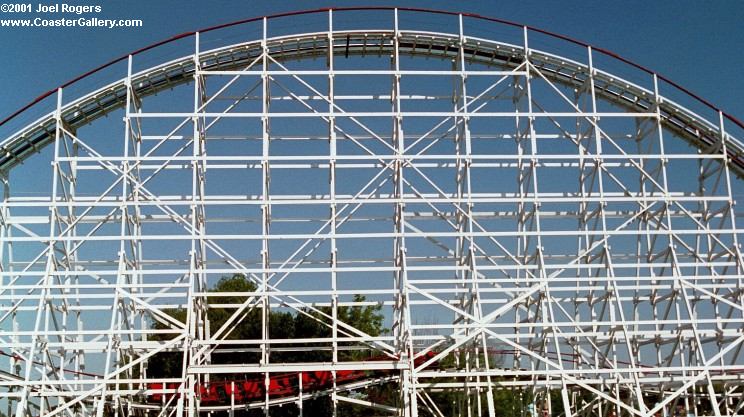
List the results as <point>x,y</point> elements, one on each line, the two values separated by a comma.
<point>699,44</point>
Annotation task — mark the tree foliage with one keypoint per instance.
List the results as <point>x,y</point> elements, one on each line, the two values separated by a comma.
<point>305,324</point>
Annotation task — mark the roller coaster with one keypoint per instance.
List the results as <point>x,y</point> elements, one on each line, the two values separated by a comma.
<point>279,386</point>
<point>526,212</point>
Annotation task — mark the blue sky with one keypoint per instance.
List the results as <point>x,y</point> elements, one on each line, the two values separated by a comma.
<point>697,44</point>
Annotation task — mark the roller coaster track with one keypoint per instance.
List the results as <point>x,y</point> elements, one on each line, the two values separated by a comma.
<point>708,135</point>
<point>98,103</point>
<point>511,378</point>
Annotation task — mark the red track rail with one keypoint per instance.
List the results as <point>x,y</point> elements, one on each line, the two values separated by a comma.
<point>377,8</point>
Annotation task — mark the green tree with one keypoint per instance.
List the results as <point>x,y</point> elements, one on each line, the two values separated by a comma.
<point>306,324</point>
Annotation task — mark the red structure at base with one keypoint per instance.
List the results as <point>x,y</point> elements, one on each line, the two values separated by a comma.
<point>280,385</point>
